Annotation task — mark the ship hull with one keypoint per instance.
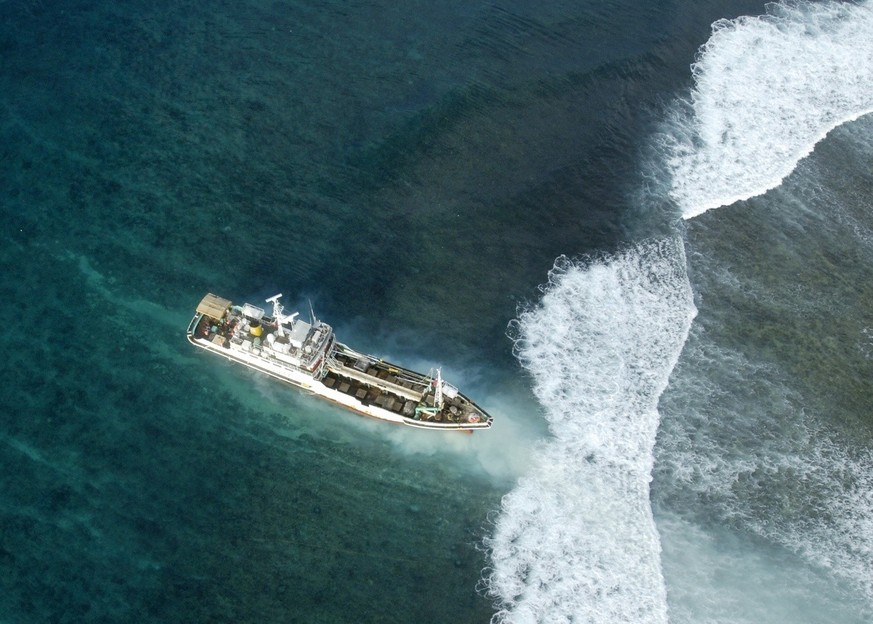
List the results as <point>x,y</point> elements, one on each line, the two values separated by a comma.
<point>341,375</point>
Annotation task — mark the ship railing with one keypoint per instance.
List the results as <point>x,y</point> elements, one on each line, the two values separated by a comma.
<point>192,326</point>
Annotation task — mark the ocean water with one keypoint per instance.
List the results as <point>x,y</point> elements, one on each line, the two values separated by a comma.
<point>639,233</point>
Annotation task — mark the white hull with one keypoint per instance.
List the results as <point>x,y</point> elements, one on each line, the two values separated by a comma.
<point>358,382</point>
<point>299,380</point>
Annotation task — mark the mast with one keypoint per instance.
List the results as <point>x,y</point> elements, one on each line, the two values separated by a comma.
<point>277,314</point>
<point>312,314</point>
<point>438,391</point>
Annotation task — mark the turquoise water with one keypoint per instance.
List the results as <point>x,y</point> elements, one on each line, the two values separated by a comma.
<point>414,171</point>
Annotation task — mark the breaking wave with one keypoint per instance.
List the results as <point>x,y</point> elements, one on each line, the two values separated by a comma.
<point>767,89</point>
<point>576,540</point>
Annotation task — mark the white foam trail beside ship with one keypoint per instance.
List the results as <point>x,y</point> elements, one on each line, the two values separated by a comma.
<point>767,89</point>
<point>576,540</point>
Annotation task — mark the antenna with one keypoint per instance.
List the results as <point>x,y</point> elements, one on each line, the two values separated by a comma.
<point>312,314</point>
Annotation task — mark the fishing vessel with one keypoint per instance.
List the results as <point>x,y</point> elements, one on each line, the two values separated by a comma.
<point>308,355</point>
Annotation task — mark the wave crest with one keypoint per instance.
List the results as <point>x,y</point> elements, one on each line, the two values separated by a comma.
<point>767,89</point>
<point>575,540</point>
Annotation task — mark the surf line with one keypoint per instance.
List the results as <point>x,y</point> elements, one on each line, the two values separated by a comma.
<point>576,538</point>
<point>766,90</point>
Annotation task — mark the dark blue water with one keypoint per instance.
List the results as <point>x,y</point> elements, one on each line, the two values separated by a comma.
<point>414,171</point>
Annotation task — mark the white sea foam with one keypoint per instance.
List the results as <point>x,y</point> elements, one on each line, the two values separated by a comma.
<point>767,89</point>
<point>717,575</point>
<point>737,446</point>
<point>576,540</point>
<point>844,540</point>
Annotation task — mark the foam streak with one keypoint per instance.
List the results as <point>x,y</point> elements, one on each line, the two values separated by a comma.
<point>576,540</point>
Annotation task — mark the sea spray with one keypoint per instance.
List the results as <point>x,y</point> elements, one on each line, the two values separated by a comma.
<point>576,540</point>
<point>767,89</point>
